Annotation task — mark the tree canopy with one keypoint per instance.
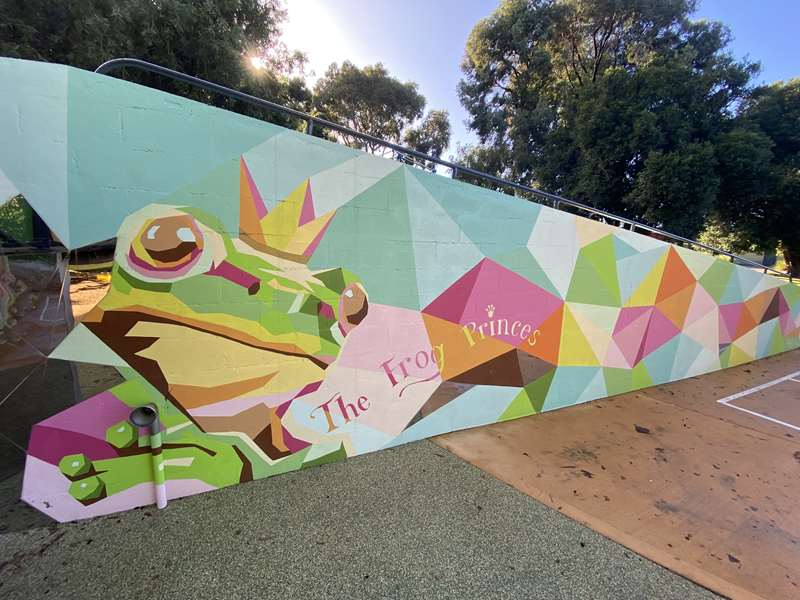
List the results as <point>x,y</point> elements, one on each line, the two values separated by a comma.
<point>210,39</point>
<point>759,201</point>
<point>619,103</point>
<point>371,101</point>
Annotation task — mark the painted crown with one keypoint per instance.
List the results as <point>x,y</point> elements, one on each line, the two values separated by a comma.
<point>291,230</point>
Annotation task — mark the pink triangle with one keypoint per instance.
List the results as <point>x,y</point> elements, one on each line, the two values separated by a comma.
<point>629,339</point>
<point>629,315</point>
<point>307,212</point>
<point>450,304</point>
<point>729,315</point>
<point>614,357</point>
<point>315,242</point>
<point>702,304</point>
<point>496,297</point>
<point>659,331</point>
<point>258,201</point>
<point>786,323</point>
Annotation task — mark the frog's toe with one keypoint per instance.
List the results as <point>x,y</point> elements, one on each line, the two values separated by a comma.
<point>75,465</point>
<point>88,489</point>
<point>86,486</point>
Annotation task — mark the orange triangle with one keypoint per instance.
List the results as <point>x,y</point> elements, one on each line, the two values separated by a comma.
<point>757,305</point>
<point>462,349</point>
<point>249,221</point>
<point>746,323</point>
<point>675,278</point>
<point>676,306</point>
<point>547,341</point>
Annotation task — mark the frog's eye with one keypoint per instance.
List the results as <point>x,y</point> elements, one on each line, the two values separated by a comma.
<point>353,306</point>
<point>162,243</point>
<point>166,245</point>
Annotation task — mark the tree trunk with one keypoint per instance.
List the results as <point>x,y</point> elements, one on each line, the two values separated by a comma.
<point>792,258</point>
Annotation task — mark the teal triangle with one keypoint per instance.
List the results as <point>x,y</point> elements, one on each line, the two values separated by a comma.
<point>371,236</point>
<point>298,157</point>
<point>660,362</point>
<point>733,291</point>
<point>596,388</point>
<point>483,215</point>
<point>522,262</point>
<point>623,250</point>
<point>764,339</point>
<point>480,405</point>
<point>687,352</point>
<point>748,280</point>
<point>441,254</point>
<point>569,385</point>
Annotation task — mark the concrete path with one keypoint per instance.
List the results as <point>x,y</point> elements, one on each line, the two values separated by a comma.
<point>412,522</point>
<point>701,475</point>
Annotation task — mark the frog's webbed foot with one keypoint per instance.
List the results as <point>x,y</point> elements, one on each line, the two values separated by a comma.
<point>188,454</point>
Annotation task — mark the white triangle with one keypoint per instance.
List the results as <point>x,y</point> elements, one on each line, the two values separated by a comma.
<point>705,331</point>
<point>81,345</point>
<point>554,245</point>
<point>696,262</point>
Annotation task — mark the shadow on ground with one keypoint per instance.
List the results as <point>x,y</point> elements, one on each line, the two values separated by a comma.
<point>411,522</point>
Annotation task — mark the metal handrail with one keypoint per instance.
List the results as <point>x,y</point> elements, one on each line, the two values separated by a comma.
<point>456,169</point>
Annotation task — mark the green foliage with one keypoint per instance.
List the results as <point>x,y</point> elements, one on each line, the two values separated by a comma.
<point>212,39</point>
<point>760,200</point>
<point>608,102</point>
<point>371,101</point>
<point>431,136</point>
<point>16,220</point>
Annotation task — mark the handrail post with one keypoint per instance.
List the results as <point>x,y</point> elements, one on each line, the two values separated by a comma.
<point>310,127</point>
<point>454,173</point>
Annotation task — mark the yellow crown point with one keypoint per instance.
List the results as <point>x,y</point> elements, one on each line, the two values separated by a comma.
<point>290,230</point>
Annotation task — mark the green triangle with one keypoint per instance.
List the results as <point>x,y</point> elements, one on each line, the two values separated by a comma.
<point>715,279</point>
<point>537,390</point>
<point>520,407</point>
<point>594,279</point>
<point>725,357</point>
<point>522,262</point>
<point>371,235</point>
<point>618,381</point>
<point>640,378</point>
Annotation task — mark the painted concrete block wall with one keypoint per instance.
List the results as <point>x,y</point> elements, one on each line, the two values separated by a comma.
<point>285,301</point>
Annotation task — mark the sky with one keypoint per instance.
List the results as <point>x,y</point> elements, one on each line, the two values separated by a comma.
<point>423,40</point>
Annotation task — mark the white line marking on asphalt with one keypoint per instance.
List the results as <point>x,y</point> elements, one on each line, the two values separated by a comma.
<point>728,399</point>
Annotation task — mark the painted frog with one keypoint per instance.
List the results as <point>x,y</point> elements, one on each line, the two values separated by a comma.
<point>221,333</point>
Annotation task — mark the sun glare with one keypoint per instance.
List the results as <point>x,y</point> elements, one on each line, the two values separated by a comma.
<point>257,62</point>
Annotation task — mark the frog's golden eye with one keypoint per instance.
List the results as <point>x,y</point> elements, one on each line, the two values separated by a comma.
<point>166,245</point>
<point>353,306</point>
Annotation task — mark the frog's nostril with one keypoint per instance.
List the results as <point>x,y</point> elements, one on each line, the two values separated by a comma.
<point>170,239</point>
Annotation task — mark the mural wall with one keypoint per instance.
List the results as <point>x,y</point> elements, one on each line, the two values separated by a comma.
<point>287,302</point>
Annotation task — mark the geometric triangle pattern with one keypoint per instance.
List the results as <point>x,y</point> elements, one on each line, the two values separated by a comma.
<point>283,301</point>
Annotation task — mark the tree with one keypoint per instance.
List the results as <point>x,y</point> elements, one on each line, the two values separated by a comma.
<point>619,103</point>
<point>213,39</point>
<point>371,101</point>
<point>759,203</point>
<point>431,136</point>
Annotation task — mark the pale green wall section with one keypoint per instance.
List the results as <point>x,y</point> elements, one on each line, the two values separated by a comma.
<point>33,137</point>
